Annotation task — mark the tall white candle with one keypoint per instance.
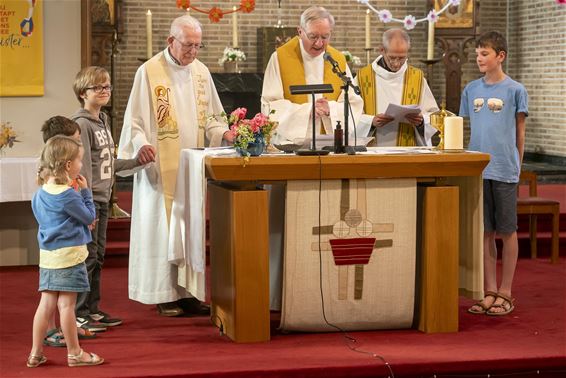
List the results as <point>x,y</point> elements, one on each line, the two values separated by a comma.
<point>368,27</point>
<point>453,133</point>
<point>430,46</point>
<point>234,28</point>
<point>149,36</point>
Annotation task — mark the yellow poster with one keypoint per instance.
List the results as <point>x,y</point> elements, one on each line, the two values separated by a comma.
<point>21,48</point>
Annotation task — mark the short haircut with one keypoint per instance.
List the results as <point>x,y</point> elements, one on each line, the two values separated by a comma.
<point>185,21</point>
<point>316,13</point>
<point>56,153</point>
<point>395,33</point>
<point>493,39</point>
<point>87,77</point>
<point>59,125</point>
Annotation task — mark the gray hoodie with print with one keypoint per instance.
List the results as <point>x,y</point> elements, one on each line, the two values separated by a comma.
<point>99,164</point>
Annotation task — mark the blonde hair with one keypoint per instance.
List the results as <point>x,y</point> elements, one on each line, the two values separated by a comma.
<point>87,77</point>
<point>57,152</point>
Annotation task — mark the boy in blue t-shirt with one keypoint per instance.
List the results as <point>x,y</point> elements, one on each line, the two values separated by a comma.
<point>497,107</point>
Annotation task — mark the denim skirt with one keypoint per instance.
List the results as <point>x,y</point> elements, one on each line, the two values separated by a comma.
<point>74,278</point>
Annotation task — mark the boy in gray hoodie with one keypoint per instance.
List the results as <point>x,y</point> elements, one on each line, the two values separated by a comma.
<point>92,88</point>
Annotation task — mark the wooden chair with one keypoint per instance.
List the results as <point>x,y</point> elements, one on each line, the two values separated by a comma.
<point>533,206</point>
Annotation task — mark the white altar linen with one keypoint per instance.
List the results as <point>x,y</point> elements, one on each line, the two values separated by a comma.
<point>18,177</point>
<point>187,240</point>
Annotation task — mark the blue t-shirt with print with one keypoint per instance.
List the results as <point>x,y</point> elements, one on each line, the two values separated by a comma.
<point>492,109</point>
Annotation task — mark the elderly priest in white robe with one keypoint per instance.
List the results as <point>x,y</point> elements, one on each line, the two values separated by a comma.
<point>389,79</point>
<point>172,97</point>
<point>299,62</point>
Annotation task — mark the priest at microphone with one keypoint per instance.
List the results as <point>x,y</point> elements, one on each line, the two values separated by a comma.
<point>301,62</point>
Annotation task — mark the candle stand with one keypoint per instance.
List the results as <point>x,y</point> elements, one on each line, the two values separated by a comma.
<point>430,67</point>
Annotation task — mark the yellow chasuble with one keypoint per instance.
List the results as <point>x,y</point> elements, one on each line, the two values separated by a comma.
<point>168,145</point>
<point>412,88</point>
<point>293,71</point>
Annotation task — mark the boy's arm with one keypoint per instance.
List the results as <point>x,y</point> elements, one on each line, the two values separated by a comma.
<point>86,139</point>
<point>125,164</point>
<point>520,130</point>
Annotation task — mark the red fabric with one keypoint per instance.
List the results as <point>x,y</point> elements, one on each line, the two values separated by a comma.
<point>354,251</point>
<point>147,345</point>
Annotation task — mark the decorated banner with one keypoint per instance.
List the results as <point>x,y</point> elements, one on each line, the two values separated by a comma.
<point>21,47</point>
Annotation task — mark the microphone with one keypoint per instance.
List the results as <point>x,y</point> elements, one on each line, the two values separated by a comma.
<point>331,60</point>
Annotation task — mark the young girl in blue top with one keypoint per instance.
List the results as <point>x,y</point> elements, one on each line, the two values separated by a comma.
<point>63,215</point>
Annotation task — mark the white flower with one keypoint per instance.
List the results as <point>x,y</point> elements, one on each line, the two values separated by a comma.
<point>232,55</point>
<point>363,1</point>
<point>384,16</point>
<point>409,22</point>
<point>432,16</point>
<point>356,60</point>
<point>347,55</point>
<point>455,2</point>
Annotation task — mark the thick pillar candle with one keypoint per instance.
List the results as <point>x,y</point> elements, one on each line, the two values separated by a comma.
<point>234,28</point>
<point>430,46</point>
<point>149,36</point>
<point>368,27</point>
<point>453,133</point>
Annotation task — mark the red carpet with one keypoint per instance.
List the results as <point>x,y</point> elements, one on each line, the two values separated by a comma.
<point>147,345</point>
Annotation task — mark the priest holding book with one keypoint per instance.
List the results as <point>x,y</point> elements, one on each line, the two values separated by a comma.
<point>390,80</point>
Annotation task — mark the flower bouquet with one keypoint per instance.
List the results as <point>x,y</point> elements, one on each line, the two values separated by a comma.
<point>7,136</point>
<point>250,135</point>
<point>230,58</point>
<point>352,60</point>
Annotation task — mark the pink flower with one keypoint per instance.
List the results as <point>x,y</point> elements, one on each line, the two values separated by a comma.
<point>384,16</point>
<point>432,16</point>
<point>409,22</point>
<point>258,122</point>
<point>563,2</point>
<point>238,114</point>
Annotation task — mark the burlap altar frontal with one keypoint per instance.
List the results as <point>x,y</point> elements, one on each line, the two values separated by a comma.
<point>367,254</point>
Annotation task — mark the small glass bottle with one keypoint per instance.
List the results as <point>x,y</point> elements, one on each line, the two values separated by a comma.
<point>338,139</point>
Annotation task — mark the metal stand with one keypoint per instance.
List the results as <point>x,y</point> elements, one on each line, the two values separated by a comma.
<point>115,211</point>
<point>430,68</point>
<point>312,90</point>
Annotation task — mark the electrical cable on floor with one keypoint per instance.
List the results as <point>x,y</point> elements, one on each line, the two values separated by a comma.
<point>349,339</point>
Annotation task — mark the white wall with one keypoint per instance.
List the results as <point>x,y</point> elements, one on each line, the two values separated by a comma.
<point>62,59</point>
<point>62,52</point>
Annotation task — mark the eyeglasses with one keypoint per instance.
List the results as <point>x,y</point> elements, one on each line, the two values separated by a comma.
<point>398,60</point>
<point>313,38</point>
<point>100,88</point>
<point>189,46</point>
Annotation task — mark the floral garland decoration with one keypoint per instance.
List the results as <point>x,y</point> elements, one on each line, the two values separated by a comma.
<point>215,14</point>
<point>409,21</point>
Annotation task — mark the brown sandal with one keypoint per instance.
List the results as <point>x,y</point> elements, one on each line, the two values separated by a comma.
<point>75,360</point>
<point>482,304</point>
<point>34,361</point>
<point>507,306</point>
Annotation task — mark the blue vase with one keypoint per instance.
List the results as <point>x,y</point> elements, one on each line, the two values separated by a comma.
<point>254,148</point>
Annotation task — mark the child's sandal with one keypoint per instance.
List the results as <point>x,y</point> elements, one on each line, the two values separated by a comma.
<point>75,360</point>
<point>35,361</point>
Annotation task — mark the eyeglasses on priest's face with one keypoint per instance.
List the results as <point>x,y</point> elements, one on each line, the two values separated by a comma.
<point>189,46</point>
<point>101,88</point>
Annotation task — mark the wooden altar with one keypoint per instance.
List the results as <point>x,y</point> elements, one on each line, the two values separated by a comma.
<point>449,224</point>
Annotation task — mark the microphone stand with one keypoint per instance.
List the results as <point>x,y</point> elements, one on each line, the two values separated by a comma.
<point>350,150</point>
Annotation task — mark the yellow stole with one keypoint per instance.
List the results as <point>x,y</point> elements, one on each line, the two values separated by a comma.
<point>412,88</point>
<point>293,71</point>
<point>168,145</point>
